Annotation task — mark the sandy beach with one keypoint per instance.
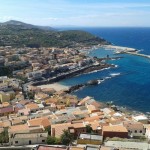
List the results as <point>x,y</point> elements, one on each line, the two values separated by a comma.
<point>55,86</point>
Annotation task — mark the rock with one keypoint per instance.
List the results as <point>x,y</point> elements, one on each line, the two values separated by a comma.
<point>92,82</point>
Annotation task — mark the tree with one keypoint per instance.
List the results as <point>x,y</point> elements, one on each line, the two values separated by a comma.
<point>48,129</point>
<point>66,137</point>
<point>89,129</point>
<point>4,138</point>
<point>52,140</point>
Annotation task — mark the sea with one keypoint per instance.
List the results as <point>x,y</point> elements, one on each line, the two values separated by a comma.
<point>127,85</point>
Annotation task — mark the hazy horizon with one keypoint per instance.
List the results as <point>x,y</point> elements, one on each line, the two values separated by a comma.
<point>85,13</point>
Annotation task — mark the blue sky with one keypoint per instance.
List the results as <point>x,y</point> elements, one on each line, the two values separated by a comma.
<point>77,12</point>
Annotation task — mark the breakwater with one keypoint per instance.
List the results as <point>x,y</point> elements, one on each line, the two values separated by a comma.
<point>138,54</point>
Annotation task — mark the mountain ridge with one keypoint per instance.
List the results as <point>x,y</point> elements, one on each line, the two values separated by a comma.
<point>27,25</point>
<point>18,34</point>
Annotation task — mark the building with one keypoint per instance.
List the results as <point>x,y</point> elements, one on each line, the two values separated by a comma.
<point>4,97</point>
<point>57,129</point>
<point>140,118</point>
<point>33,107</point>
<point>3,86</point>
<point>134,128</point>
<point>28,138</point>
<point>44,122</point>
<point>77,129</point>
<point>5,111</point>
<point>147,133</point>
<point>114,131</point>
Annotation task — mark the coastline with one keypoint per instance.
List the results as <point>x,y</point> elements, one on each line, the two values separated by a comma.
<point>73,73</point>
<point>126,50</point>
<point>56,86</point>
<point>118,50</point>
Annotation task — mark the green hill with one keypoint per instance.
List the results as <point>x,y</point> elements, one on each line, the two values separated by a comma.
<point>19,34</point>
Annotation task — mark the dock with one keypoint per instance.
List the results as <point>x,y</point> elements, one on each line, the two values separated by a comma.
<point>126,50</point>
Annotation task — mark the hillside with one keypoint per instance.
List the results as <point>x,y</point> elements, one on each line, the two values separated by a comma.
<point>18,34</point>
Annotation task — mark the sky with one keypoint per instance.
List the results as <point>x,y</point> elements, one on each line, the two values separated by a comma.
<point>87,13</point>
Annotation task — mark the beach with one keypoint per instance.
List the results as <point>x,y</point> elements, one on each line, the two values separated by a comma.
<point>55,86</point>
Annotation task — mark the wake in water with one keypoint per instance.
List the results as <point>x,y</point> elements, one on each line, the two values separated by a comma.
<point>115,74</point>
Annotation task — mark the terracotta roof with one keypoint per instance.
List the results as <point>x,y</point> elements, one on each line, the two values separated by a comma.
<point>41,95</point>
<point>96,104</point>
<point>32,106</point>
<point>39,121</point>
<point>5,104</point>
<point>51,100</point>
<point>114,129</point>
<point>95,125</point>
<point>5,123</point>
<point>133,125</point>
<point>16,121</point>
<point>83,101</point>
<point>92,118</point>
<point>25,111</point>
<point>78,125</point>
<point>19,128</point>
<point>23,102</point>
<point>57,129</point>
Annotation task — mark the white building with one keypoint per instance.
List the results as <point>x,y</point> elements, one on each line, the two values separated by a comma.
<point>140,118</point>
<point>28,138</point>
<point>134,128</point>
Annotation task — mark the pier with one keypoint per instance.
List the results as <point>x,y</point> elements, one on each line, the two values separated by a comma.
<point>138,54</point>
<point>126,50</point>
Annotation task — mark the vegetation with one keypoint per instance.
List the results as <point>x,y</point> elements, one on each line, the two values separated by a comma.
<point>30,95</point>
<point>53,140</point>
<point>24,79</point>
<point>66,138</point>
<point>89,129</point>
<point>6,71</point>
<point>4,138</point>
<point>20,35</point>
<point>48,129</point>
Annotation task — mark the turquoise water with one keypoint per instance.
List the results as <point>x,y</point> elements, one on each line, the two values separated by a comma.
<point>132,87</point>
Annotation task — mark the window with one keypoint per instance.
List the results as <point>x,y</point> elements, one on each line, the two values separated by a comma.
<point>140,131</point>
<point>135,131</point>
<point>43,141</point>
<point>16,142</point>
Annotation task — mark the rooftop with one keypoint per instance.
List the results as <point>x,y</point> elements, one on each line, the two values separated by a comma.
<point>114,129</point>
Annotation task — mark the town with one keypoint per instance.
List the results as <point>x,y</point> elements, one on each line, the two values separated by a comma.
<point>32,117</point>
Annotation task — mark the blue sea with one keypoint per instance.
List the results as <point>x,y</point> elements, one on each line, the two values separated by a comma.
<point>132,87</point>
